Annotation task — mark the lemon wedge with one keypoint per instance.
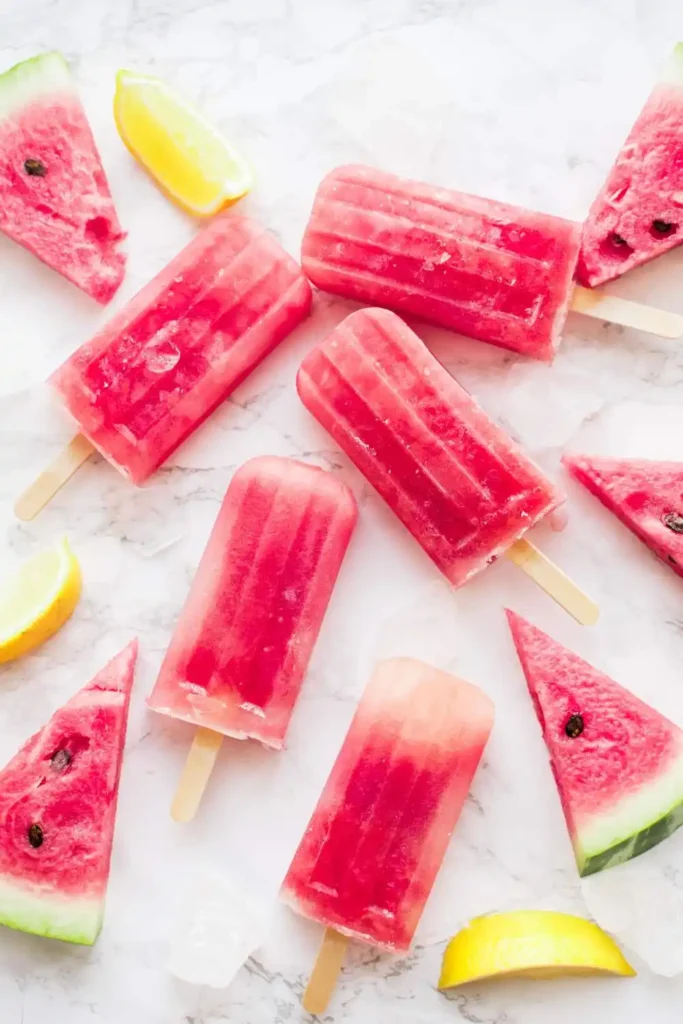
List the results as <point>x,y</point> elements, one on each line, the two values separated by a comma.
<point>187,157</point>
<point>531,944</point>
<point>37,600</point>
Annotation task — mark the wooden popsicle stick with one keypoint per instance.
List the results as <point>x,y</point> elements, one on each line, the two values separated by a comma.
<point>44,487</point>
<point>196,774</point>
<point>323,979</point>
<point>595,303</point>
<point>556,583</point>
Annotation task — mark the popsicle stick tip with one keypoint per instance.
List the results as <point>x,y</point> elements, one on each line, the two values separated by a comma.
<point>596,303</point>
<point>196,774</point>
<point>45,486</point>
<point>324,976</point>
<point>554,582</point>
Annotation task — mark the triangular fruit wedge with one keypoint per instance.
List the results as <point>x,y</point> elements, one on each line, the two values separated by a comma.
<point>647,496</point>
<point>617,762</point>
<point>57,812</point>
<point>55,196</point>
<point>638,213</point>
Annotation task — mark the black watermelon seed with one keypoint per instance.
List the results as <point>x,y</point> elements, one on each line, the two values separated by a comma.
<point>61,760</point>
<point>35,168</point>
<point>674,522</point>
<point>574,726</point>
<point>35,836</point>
<point>662,227</point>
<point>617,239</point>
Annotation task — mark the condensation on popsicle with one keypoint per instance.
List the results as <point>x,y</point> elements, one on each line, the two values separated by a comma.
<point>369,857</point>
<point>489,270</point>
<point>146,381</point>
<point>245,636</point>
<point>464,490</point>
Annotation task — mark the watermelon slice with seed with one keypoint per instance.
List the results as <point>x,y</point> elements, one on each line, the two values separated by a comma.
<point>55,196</point>
<point>638,213</point>
<point>617,762</point>
<point>646,495</point>
<point>57,811</point>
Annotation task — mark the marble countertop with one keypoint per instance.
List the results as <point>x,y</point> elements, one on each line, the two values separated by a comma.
<point>525,101</point>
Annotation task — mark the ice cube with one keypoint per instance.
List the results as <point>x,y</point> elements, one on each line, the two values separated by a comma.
<point>641,904</point>
<point>220,926</point>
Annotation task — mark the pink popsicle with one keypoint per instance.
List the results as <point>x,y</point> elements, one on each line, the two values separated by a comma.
<point>372,850</point>
<point>245,636</point>
<point>142,385</point>
<point>489,270</point>
<point>464,490</point>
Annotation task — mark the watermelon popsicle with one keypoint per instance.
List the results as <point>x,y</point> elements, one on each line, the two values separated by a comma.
<point>242,644</point>
<point>489,270</point>
<point>638,213</point>
<point>164,363</point>
<point>465,491</point>
<point>372,850</point>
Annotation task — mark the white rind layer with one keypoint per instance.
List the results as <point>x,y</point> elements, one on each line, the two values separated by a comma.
<point>44,75</point>
<point>72,919</point>
<point>634,815</point>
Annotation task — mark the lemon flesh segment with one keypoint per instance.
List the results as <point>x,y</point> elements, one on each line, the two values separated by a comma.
<point>187,157</point>
<point>37,600</point>
<point>532,944</point>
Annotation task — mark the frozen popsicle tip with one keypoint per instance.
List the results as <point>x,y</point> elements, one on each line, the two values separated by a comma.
<point>466,491</point>
<point>135,394</point>
<point>398,786</point>
<point>244,640</point>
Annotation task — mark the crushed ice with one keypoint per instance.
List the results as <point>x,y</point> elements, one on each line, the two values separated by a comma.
<point>220,926</point>
<point>641,904</point>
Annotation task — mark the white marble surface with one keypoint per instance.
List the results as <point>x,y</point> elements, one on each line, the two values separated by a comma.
<point>523,100</point>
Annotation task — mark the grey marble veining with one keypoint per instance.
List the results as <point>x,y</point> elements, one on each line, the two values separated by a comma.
<point>525,101</point>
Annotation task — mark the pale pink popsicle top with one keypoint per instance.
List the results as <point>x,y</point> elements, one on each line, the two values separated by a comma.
<point>489,270</point>
<point>182,344</point>
<point>369,857</point>
<point>244,638</point>
<point>464,490</point>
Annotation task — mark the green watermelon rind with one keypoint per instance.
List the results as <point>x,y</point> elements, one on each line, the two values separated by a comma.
<point>673,70</point>
<point>45,75</point>
<point>640,821</point>
<point>77,920</point>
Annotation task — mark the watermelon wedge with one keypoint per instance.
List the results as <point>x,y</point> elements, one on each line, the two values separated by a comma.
<point>57,812</point>
<point>617,762</point>
<point>55,196</point>
<point>647,496</point>
<point>638,213</point>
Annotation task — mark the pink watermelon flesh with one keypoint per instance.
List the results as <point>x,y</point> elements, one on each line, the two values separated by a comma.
<point>647,496</point>
<point>55,197</point>
<point>617,762</point>
<point>57,812</point>
<point>638,213</point>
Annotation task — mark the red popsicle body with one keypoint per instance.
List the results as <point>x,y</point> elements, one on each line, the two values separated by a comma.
<point>486,269</point>
<point>142,385</point>
<point>244,638</point>
<point>464,490</point>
